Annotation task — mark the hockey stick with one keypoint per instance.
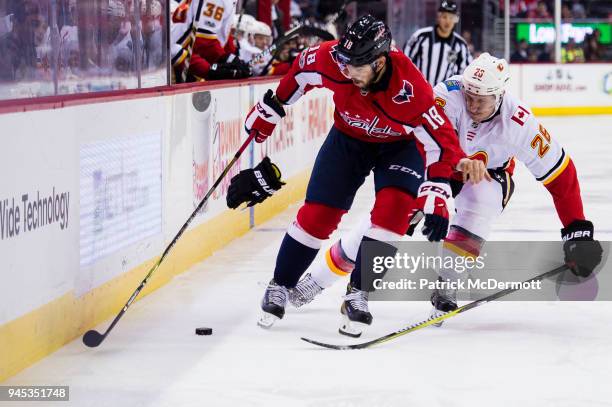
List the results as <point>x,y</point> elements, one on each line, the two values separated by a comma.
<point>431,321</point>
<point>305,30</point>
<point>93,338</point>
<point>341,11</point>
<point>274,49</point>
<point>183,74</point>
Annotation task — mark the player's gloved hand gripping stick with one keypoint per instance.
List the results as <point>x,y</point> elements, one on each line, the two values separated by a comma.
<point>264,116</point>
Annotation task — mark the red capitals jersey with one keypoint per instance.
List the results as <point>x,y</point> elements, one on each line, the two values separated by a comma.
<point>404,109</point>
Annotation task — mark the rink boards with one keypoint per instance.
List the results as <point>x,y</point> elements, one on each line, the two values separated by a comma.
<point>90,196</point>
<point>91,193</point>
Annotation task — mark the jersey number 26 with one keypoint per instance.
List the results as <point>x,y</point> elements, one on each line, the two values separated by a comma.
<point>539,143</point>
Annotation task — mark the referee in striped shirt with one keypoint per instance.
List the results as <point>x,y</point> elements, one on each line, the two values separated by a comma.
<point>438,51</point>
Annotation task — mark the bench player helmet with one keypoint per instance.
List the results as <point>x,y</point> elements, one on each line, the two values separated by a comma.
<point>364,41</point>
<point>487,75</point>
<point>448,6</point>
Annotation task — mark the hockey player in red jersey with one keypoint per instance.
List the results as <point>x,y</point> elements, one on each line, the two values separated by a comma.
<point>383,109</point>
<point>494,126</point>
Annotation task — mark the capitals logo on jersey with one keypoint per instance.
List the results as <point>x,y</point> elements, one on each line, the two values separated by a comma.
<point>369,126</point>
<point>334,53</point>
<point>404,94</point>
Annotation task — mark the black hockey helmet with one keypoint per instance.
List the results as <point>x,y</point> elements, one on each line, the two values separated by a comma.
<point>448,6</point>
<point>364,41</point>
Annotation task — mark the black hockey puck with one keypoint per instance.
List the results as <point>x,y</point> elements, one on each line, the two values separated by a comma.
<point>203,331</point>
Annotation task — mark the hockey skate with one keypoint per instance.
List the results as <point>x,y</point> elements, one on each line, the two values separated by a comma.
<point>355,314</point>
<point>304,292</point>
<point>443,301</point>
<point>273,304</point>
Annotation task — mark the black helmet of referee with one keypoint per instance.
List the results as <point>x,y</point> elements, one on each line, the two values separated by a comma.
<point>448,6</point>
<point>364,41</point>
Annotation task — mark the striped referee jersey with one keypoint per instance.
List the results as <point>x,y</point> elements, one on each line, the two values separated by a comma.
<point>436,57</point>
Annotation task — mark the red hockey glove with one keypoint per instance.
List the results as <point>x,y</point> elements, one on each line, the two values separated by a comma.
<point>433,198</point>
<point>263,117</point>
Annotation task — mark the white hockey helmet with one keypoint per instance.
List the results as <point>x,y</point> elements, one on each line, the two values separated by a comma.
<point>260,28</point>
<point>245,22</point>
<point>487,75</point>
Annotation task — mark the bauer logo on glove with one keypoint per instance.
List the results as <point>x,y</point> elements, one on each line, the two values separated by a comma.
<point>582,253</point>
<point>254,185</point>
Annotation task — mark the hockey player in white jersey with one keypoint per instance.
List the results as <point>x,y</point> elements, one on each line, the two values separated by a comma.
<point>184,19</point>
<point>253,47</point>
<point>216,19</point>
<point>201,44</point>
<point>497,128</point>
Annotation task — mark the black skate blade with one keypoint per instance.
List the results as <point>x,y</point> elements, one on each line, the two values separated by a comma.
<point>350,335</point>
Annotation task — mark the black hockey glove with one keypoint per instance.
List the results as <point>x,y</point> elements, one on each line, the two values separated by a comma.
<point>229,70</point>
<point>234,61</point>
<point>582,253</point>
<point>254,185</point>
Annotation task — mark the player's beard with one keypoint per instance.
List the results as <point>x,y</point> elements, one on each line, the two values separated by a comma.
<point>360,84</point>
<point>368,86</point>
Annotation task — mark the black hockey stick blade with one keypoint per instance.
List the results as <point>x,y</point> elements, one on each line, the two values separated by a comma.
<point>92,338</point>
<point>337,347</point>
<point>430,320</point>
<point>388,337</point>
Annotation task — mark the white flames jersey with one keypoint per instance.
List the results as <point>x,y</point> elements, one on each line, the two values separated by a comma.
<point>183,17</point>
<point>257,58</point>
<point>512,132</point>
<point>216,19</point>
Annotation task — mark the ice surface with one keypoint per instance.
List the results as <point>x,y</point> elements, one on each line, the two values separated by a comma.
<point>501,354</point>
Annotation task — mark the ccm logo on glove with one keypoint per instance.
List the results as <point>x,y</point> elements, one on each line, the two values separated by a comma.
<point>434,189</point>
<point>263,117</point>
<point>262,111</point>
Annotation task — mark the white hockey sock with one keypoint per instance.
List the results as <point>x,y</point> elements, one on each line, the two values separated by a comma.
<point>339,260</point>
